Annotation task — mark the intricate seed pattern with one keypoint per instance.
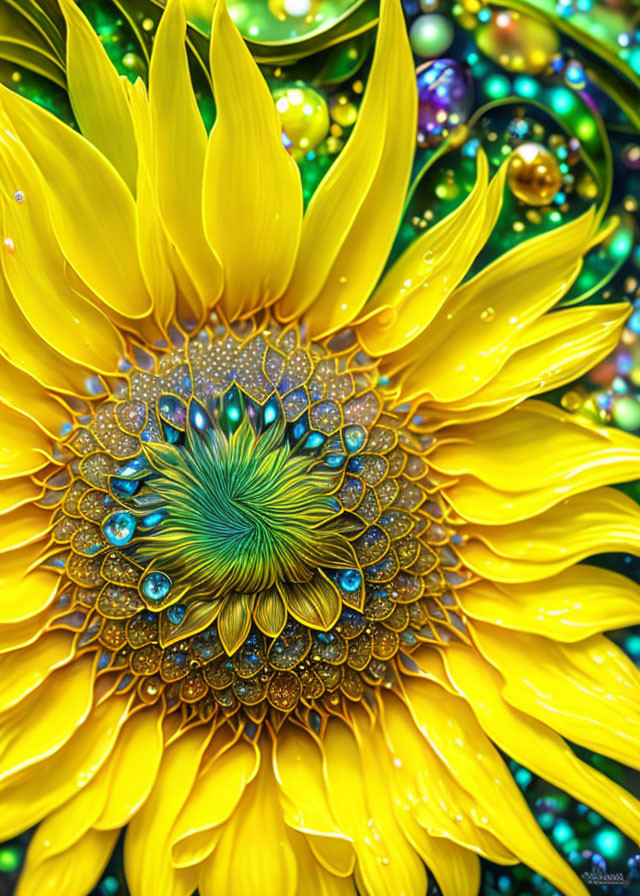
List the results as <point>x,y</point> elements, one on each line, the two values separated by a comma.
<point>165,634</point>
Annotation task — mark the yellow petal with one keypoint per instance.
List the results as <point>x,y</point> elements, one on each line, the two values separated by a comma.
<point>315,603</point>
<point>234,621</point>
<point>298,767</point>
<point>437,802</point>
<point>572,605</point>
<point>98,96</point>
<point>269,613</point>
<point>63,827</point>
<point>352,219</point>
<point>134,765</point>
<point>592,523</point>
<point>153,245</point>
<point>252,191</point>
<point>255,829</point>
<point>589,692</point>
<point>556,349</point>
<point>25,448</point>
<point>24,594</point>
<point>449,725</point>
<point>536,746</point>
<point>35,271</point>
<point>101,248</point>
<point>147,850</point>
<point>387,865</point>
<point>415,288</point>
<point>477,328</point>
<point>20,528</point>
<point>22,346</point>
<point>313,878</point>
<point>179,142</point>
<point>18,492</point>
<point>227,777</point>
<point>528,459</point>
<point>23,670</point>
<point>456,869</point>
<point>45,720</point>
<point>23,393</point>
<point>74,872</point>
<point>20,634</point>
<point>33,793</point>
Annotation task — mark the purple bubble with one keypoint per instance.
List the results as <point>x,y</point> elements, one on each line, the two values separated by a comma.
<point>445,95</point>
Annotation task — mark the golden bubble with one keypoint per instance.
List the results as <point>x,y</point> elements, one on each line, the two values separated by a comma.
<point>534,176</point>
<point>518,42</point>
<point>572,401</point>
<point>344,113</point>
<point>303,114</point>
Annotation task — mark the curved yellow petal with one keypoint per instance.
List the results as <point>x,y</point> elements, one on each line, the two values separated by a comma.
<point>556,349</point>
<point>572,605</point>
<point>591,523</point>
<point>18,492</point>
<point>589,692</point>
<point>74,872</point>
<point>252,190</point>
<point>153,244</point>
<point>361,805</point>
<point>234,621</point>
<point>414,289</point>
<point>312,877</point>
<point>352,219</point>
<point>535,745</point>
<point>98,96</point>
<point>24,593</point>
<point>315,604</point>
<point>26,351</point>
<point>45,719</point>
<point>269,612</point>
<point>100,247</point>
<point>23,393</point>
<point>475,331</point>
<point>456,869</point>
<point>147,845</point>
<point>63,827</point>
<point>134,765</point>
<point>528,459</point>
<point>23,670</point>
<point>40,789</point>
<point>449,725</point>
<point>227,777</point>
<point>20,634</point>
<point>255,829</point>
<point>297,763</point>
<point>25,449</point>
<point>35,271</point>
<point>20,528</point>
<point>437,802</point>
<point>179,149</point>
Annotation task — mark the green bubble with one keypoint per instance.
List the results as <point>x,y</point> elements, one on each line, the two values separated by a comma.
<point>626,413</point>
<point>608,842</point>
<point>10,858</point>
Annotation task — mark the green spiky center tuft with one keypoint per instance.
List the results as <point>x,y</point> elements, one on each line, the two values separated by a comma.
<point>243,511</point>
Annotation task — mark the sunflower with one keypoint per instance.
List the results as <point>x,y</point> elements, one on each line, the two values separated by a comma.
<point>290,552</point>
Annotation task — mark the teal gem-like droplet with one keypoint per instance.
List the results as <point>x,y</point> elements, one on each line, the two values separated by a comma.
<point>155,586</point>
<point>354,438</point>
<point>119,528</point>
<point>175,614</point>
<point>351,580</point>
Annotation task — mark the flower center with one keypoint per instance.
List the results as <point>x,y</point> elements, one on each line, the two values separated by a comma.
<point>249,527</point>
<point>240,510</point>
